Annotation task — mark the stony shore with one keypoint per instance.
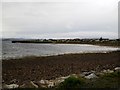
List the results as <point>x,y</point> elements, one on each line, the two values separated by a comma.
<point>35,69</point>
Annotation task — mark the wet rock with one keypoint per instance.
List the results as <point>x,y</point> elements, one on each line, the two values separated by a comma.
<point>92,75</point>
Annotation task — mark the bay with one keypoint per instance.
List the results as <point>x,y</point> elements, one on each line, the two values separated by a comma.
<point>18,50</point>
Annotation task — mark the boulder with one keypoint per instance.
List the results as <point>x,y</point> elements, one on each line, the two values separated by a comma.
<point>28,84</point>
<point>92,75</point>
<point>51,84</point>
<point>58,81</point>
<point>11,86</point>
<point>117,69</point>
<point>46,83</point>
<point>32,83</point>
<point>108,71</point>
<point>85,74</point>
<point>42,81</point>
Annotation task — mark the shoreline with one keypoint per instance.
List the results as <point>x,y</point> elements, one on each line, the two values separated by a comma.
<point>51,67</point>
<point>13,58</point>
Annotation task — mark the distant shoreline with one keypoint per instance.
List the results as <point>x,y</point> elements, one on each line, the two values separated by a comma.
<point>113,43</point>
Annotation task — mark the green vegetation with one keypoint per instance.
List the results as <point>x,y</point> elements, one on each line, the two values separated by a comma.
<point>71,82</point>
<point>108,80</point>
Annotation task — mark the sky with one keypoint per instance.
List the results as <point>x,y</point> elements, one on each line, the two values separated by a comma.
<point>60,19</point>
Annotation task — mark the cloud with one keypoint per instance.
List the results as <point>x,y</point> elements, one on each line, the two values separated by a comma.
<point>38,19</point>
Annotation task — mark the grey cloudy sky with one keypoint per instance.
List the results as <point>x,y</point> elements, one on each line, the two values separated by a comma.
<point>60,19</point>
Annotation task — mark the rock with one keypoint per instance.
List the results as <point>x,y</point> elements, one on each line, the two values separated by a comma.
<point>51,84</point>
<point>58,81</point>
<point>104,71</point>
<point>117,69</point>
<point>22,86</point>
<point>65,77</point>
<point>36,86</point>
<point>62,79</point>
<point>11,86</point>
<point>93,71</point>
<point>30,84</point>
<point>92,75</point>
<point>85,74</point>
<point>44,83</point>
<point>13,81</point>
<point>108,71</point>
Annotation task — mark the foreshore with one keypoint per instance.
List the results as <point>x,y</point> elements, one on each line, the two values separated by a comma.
<point>51,67</point>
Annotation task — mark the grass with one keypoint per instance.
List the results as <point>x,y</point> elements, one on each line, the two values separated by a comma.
<point>108,80</point>
<point>71,82</point>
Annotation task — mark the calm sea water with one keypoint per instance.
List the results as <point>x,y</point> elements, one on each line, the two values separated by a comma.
<point>17,50</point>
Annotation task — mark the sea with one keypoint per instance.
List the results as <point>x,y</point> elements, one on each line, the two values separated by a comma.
<point>19,50</point>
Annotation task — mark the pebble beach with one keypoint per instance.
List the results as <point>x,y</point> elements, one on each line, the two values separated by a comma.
<point>37,68</point>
